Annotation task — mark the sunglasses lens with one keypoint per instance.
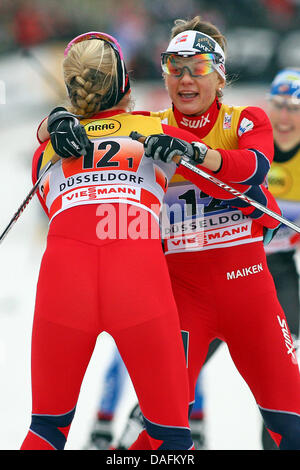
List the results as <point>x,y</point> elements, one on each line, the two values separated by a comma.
<point>203,67</point>
<point>171,66</point>
<point>198,65</point>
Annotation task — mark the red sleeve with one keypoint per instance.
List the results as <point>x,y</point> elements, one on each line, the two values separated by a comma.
<point>262,195</point>
<point>37,132</point>
<point>36,165</point>
<point>258,193</point>
<point>205,185</point>
<point>250,163</point>
<point>179,133</point>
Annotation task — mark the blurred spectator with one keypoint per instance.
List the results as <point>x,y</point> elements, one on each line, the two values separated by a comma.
<point>281,13</point>
<point>256,29</point>
<point>31,24</point>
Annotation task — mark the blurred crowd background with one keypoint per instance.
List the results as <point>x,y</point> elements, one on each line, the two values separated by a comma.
<point>263,35</point>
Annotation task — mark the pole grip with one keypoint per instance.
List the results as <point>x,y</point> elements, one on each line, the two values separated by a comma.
<point>134,135</point>
<point>141,138</point>
<point>137,136</point>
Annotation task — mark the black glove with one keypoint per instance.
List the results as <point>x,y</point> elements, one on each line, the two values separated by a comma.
<point>164,147</point>
<point>67,135</point>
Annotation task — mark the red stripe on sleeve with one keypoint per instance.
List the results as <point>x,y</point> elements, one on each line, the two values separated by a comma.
<point>254,132</point>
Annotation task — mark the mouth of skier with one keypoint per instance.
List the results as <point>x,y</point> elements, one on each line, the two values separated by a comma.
<point>188,95</point>
<point>284,128</point>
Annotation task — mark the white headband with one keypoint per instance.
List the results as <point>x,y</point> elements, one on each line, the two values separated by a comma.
<point>193,42</point>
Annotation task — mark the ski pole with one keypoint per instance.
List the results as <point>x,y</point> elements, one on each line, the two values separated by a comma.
<point>178,159</point>
<point>28,198</point>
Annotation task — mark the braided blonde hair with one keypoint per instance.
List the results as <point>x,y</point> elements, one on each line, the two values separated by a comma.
<point>91,76</point>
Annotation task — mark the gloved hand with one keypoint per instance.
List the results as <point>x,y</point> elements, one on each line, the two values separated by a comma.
<point>164,147</point>
<point>67,135</point>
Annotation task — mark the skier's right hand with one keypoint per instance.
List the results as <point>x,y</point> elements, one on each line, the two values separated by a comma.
<point>67,135</point>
